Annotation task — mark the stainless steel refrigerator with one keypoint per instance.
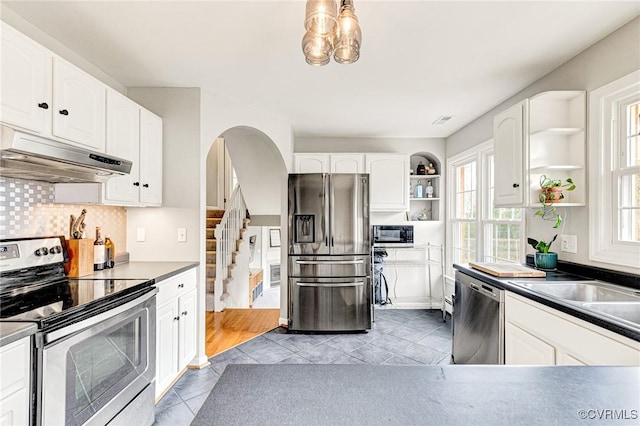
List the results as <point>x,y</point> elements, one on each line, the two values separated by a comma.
<point>329,262</point>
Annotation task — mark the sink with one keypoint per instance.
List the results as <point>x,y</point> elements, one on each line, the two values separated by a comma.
<point>628,311</point>
<point>581,291</point>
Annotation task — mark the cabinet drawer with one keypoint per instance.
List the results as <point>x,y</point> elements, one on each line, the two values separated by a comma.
<point>174,287</point>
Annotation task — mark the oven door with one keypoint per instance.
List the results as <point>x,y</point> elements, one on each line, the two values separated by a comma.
<point>92,369</point>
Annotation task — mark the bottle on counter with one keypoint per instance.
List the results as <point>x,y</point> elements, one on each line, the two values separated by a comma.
<point>98,251</point>
<point>418,190</point>
<point>109,253</point>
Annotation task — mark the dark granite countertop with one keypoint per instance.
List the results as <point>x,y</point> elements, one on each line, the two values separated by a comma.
<point>157,271</point>
<point>12,331</point>
<point>563,306</point>
<point>423,395</point>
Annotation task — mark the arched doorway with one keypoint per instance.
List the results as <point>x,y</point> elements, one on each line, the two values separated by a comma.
<point>249,158</point>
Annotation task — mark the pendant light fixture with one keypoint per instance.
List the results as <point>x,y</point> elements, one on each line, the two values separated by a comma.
<point>331,33</point>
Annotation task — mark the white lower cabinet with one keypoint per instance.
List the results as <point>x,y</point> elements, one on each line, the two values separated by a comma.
<point>15,376</point>
<point>176,316</point>
<point>539,335</point>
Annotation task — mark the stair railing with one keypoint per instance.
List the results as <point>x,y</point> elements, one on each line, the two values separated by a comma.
<point>227,234</point>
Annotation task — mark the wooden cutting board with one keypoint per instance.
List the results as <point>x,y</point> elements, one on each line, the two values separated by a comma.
<point>507,270</point>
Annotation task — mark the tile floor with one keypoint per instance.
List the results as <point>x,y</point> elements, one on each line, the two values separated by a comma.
<point>398,336</point>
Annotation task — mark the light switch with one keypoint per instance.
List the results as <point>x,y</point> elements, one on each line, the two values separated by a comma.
<point>569,243</point>
<point>182,235</point>
<point>140,234</point>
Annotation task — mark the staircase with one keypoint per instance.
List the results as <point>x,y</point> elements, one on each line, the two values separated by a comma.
<point>214,217</point>
<point>228,256</point>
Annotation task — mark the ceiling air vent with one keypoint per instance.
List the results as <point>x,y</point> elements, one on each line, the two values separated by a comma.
<point>442,119</point>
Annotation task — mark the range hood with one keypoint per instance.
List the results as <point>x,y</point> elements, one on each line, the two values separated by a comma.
<point>29,157</point>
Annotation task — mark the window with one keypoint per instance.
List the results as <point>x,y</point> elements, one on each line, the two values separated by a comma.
<point>503,240</point>
<point>614,177</point>
<point>477,230</point>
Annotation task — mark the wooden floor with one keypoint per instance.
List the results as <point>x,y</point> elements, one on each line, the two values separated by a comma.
<point>233,326</point>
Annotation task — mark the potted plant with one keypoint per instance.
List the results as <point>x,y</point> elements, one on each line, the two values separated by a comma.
<point>551,191</point>
<point>544,259</point>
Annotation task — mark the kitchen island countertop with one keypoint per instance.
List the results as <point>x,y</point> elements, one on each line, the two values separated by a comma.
<point>157,271</point>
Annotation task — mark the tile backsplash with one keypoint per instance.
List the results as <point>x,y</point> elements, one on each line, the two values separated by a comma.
<point>27,209</point>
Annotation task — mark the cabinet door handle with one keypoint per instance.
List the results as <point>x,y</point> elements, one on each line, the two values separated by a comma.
<point>64,112</point>
<point>43,105</point>
<point>184,313</point>
<point>136,183</point>
<point>176,318</point>
<point>516,185</point>
<point>180,285</point>
<point>146,185</point>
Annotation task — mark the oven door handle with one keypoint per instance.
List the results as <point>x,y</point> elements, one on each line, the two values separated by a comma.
<point>57,334</point>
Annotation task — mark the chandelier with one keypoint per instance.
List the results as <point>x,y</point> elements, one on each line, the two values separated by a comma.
<point>331,33</point>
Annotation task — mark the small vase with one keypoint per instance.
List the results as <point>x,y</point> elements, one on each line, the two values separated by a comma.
<point>546,260</point>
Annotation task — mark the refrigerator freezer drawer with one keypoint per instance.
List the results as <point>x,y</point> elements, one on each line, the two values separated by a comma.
<point>329,266</point>
<point>339,304</point>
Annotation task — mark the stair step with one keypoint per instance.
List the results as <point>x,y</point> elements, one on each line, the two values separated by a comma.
<point>211,245</point>
<point>210,234</point>
<point>213,222</point>
<point>215,213</point>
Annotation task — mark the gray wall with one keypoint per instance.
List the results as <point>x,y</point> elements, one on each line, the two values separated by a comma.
<point>607,60</point>
<point>180,111</point>
<point>612,57</point>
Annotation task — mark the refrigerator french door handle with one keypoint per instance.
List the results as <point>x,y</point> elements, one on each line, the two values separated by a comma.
<point>330,262</point>
<point>330,214</point>
<point>353,284</point>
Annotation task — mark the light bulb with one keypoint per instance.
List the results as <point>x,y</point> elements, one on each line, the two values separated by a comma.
<point>320,16</point>
<point>316,49</point>
<point>348,36</point>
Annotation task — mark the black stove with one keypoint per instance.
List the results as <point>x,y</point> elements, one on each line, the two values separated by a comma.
<point>34,288</point>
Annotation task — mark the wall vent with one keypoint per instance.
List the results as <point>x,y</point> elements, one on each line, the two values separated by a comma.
<point>442,119</point>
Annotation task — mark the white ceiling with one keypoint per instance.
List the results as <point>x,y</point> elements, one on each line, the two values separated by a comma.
<point>419,59</point>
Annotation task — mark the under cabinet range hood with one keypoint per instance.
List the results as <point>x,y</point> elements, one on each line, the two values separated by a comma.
<point>29,157</point>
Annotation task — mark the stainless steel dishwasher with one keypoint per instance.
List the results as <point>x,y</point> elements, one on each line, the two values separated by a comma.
<point>478,322</point>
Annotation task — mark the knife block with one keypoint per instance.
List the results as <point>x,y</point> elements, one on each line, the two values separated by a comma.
<point>80,258</point>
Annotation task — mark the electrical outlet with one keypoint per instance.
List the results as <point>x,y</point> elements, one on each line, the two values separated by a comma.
<point>140,234</point>
<point>182,235</point>
<point>569,243</point>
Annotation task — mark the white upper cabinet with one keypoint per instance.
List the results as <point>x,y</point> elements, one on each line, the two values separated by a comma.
<point>311,163</point>
<point>150,158</point>
<point>509,139</point>
<point>25,98</point>
<point>123,140</point>
<point>346,163</point>
<point>78,106</point>
<point>389,181</point>
<point>540,136</point>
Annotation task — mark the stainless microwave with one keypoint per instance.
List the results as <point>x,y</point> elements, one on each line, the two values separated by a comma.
<point>393,235</point>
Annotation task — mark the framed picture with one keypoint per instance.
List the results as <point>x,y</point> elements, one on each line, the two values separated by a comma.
<point>274,237</point>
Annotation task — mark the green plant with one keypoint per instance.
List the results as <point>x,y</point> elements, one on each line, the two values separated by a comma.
<point>549,195</point>
<point>541,246</point>
<point>547,182</point>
